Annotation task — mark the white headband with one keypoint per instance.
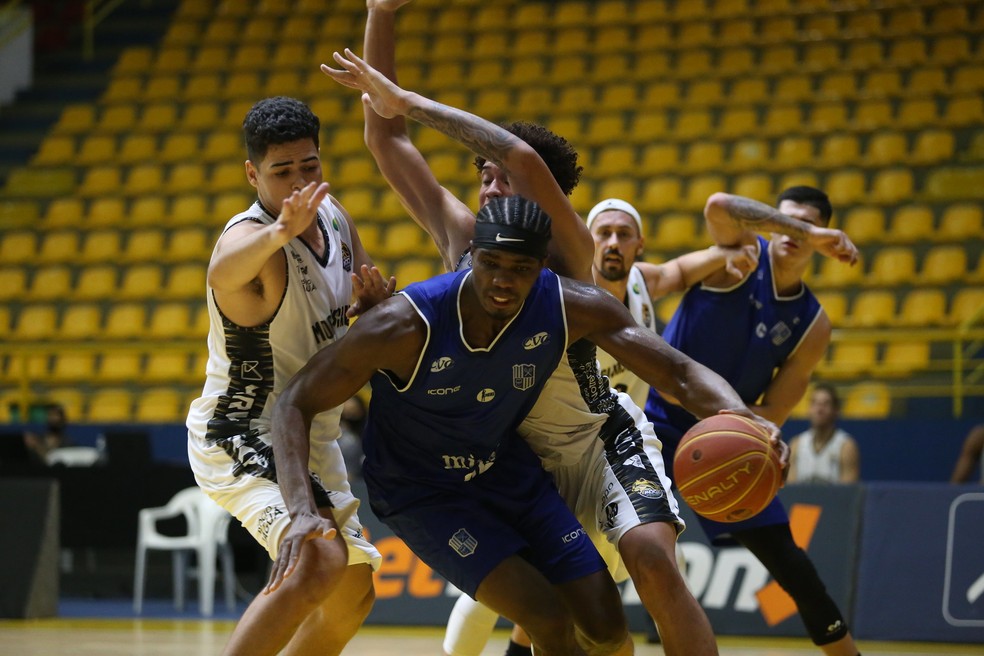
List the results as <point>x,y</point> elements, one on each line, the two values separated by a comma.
<point>614,204</point>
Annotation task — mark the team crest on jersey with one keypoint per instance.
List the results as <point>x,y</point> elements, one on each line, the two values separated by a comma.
<point>250,370</point>
<point>485,395</point>
<point>346,257</point>
<point>647,317</point>
<point>761,330</point>
<point>441,364</point>
<point>647,489</point>
<point>634,461</point>
<point>780,333</point>
<point>536,340</point>
<point>463,543</point>
<point>524,376</point>
<point>334,224</point>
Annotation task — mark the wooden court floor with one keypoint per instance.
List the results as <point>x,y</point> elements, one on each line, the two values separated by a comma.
<point>114,637</point>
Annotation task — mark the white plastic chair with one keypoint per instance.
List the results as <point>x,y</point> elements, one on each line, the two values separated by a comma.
<point>207,537</point>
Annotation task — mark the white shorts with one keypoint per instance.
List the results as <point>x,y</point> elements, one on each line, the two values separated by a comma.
<point>619,483</point>
<point>244,485</point>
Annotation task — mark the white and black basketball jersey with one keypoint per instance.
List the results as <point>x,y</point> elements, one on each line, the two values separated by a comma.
<point>249,367</point>
<point>640,306</point>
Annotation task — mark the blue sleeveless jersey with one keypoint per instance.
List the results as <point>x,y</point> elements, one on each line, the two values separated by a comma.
<point>459,411</point>
<point>743,334</point>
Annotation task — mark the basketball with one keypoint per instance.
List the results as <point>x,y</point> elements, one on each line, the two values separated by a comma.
<point>726,469</point>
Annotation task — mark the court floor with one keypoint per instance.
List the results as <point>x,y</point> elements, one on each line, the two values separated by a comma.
<point>114,637</point>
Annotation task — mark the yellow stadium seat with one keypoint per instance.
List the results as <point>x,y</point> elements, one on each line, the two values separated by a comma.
<point>58,246</point>
<point>200,116</point>
<point>119,366</point>
<point>923,82</point>
<point>821,26</point>
<point>186,281</point>
<point>903,359</point>
<point>443,47</point>
<point>414,269</point>
<point>833,273</point>
<point>229,176</point>
<point>891,186</point>
<point>834,303</point>
<point>794,88</point>
<point>604,130</point>
<point>246,85</point>
<point>694,63</point>
<point>185,177</point>
<point>80,322</point>
<point>923,307</point>
<point>565,42</point>
<point>700,188</point>
<point>110,405</point>
<point>864,54</point>
<point>827,117</point>
<point>696,33</point>
<point>850,360</point>
<point>100,247</point>
<point>674,231</point>
<point>35,323</point>
<point>447,74</point>
<point>871,308</point>
<point>916,113</point>
<point>101,180</point>
<point>964,110</point>
<point>115,119</point>
<point>50,283</point>
<point>76,118</point>
<point>144,178</point>
<point>658,158</point>
<point>202,86</point>
<point>566,69</point>
<point>123,90</point>
<point>933,147</point>
<point>693,124</point>
<point>200,323</point>
<point>968,78</point>
<point>125,320</point>
<point>894,265</point>
<point>169,320</point>
<point>660,194</point>
<point>799,177</point>
<point>907,52</point>
<point>618,187</point>
<point>209,59</point>
<point>757,186</point>
<point>96,149</point>
<point>886,148</point>
<point>227,205</point>
<point>162,88</point>
<point>18,246</point>
<point>943,265</point>
<point>950,49</point>
<point>63,212</point>
<point>873,114</point>
<point>792,152</point>
<point>704,156</point>
<point>491,17</point>
<point>69,367</point>
<point>737,31</point>
<point>614,160</point>
<point>647,126</point>
<point>657,95</point>
<point>749,155</point>
<point>882,83</point>
<point>736,61</point>
<point>140,281</point>
<point>748,90</point>
<point>961,221</point>
<point>910,224</point>
<point>967,303</point>
<point>147,211</point>
<point>168,366</point>
<point>96,282</point>
<point>160,405</point>
<point>13,283</point>
<point>55,150</point>
<point>781,119</point>
<point>137,148</point>
<point>862,24</point>
<point>904,21</point>
<point>189,244</point>
<point>737,122</point>
<point>704,92</point>
<point>846,187</point>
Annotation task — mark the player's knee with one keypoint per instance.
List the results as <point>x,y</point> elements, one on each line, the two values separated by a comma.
<point>320,569</point>
<point>650,562</point>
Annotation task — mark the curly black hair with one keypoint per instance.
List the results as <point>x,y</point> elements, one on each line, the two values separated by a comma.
<point>278,120</point>
<point>558,153</point>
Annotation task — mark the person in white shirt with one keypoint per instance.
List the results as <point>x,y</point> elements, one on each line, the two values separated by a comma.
<point>824,453</point>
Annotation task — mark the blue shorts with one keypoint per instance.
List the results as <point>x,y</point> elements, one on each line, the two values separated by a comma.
<point>513,508</point>
<point>719,533</point>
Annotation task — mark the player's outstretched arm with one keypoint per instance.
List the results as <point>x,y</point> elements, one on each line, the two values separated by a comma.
<point>572,247</point>
<point>732,220</point>
<point>683,272</point>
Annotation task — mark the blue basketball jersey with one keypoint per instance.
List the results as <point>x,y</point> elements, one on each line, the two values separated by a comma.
<point>743,334</point>
<point>459,410</point>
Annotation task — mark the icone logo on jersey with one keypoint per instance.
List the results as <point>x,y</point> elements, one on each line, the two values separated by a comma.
<point>538,339</point>
<point>443,391</point>
<point>442,364</point>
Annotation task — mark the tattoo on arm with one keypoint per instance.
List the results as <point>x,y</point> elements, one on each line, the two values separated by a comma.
<point>753,214</point>
<point>480,136</point>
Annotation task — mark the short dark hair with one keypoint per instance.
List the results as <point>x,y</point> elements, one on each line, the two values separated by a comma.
<point>830,390</point>
<point>811,196</point>
<point>278,120</point>
<point>558,153</point>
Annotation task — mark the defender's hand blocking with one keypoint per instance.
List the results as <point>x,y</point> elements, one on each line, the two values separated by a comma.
<point>369,290</point>
<point>303,527</point>
<point>379,92</point>
<point>300,208</point>
<point>739,261</point>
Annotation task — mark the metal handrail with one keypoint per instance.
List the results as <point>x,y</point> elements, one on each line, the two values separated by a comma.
<point>94,13</point>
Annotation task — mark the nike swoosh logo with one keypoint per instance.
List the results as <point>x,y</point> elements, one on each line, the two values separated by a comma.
<point>500,238</point>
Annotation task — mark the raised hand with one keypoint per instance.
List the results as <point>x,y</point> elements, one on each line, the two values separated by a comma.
<point>303,527</point>
<point>740,260</point>
<point>834,243</point>
<point>369,290</point>
<point>378,92</point>
<point>300,208</point>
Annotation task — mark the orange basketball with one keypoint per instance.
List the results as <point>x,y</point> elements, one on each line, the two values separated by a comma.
<point>726,469</point>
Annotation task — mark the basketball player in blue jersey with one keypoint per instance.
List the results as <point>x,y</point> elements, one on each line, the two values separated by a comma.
<point>455,364</point>
<point>279,289</point>
<point>569,426</point>
<point>764,332</point>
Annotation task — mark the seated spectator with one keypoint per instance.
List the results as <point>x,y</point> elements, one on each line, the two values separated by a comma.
<point>824,453</point>
<point>53,435</point>
<point>971,457</point>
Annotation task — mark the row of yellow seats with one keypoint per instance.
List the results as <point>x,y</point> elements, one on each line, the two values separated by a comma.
<point>134,147</point>
<point>116,404</point>
<point>885,308</point>
<point>897,265</point>
<point>108,367</point>
<point>99,246</point>
<point>852,360</point>
<point>82,321</point>
<point>861,400</point>
<point>189,209</point>
<point>104,282</point>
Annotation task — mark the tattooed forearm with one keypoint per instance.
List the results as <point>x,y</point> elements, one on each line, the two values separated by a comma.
<point>480,136</point>
<point>759,216</point>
